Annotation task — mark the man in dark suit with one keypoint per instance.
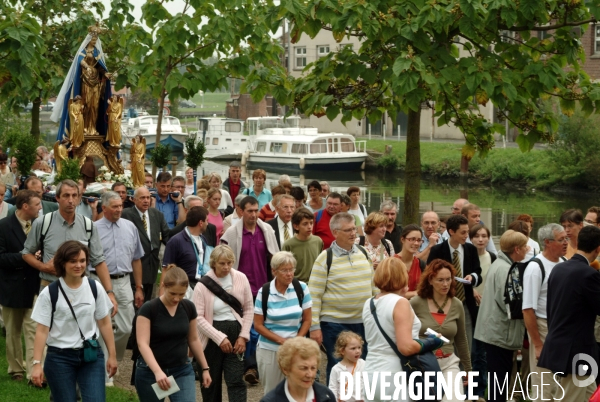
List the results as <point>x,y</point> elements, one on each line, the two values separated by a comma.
<point>35,184</point>
<point>19,283</point>
<point>153,231</point>
<point>465,259</point>
<point>282,224</point>
<point>573,304</point>
<point>209,233</point>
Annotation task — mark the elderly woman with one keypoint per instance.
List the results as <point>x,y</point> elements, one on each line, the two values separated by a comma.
<point>501,335</point>
<point>258,189</point>
<point>287,304</point>
<point>223,301</point>
<point>374,239</point>
<point>214,179</point>
<point>299,359</point>
<point>411,239</point>
<point>399,322</point>
<point>315,202</point>
<point>437,308</point>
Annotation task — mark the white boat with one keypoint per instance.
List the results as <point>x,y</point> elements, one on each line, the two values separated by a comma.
<point>280,143</point>
<point>223,138</point>
<point>171,132</point>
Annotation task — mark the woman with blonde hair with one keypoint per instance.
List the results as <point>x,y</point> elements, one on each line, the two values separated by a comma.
<point>374,240</point>
<point>215,216</point>
<point>164,331</point>
<point>189,182</point>
<point>299,359</point>
<point>214,179</point>
<point>223,300</point>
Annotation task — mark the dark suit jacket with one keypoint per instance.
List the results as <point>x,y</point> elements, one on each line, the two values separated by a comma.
<point>273,223</point>
<point>158,227</point>
<point>470,266</point>
<point>19,282</point>
<point>210,234</point>
<point>572,307</point>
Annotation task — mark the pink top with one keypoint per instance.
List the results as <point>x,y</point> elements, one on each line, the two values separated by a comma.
<point>218,222</point>
<point>204,300</point>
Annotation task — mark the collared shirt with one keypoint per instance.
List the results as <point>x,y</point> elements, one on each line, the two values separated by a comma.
<point>84,209</point>
<point>59,232</point>
<point>263,197</point>
<point>169,209</point>
<point>142,214</point>
<point>121,244</point>
<point>310,393</point>
<point>22,222</point>
<point>282,230</point>
<point>461,256</point>
<point>254,261</point>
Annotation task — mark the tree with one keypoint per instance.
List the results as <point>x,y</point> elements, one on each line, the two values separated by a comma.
<point>457,53</point>
<point>223,30</point>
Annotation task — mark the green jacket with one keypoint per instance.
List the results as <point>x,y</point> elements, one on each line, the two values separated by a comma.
<point>493,325</point>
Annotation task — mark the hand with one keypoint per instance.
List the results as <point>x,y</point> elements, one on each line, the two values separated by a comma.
<point>37,375</point>
<point>162,381</point>
<point>226,346</point>
<point>433,239</point>
<point>93,204</point>
<point>468,278</point>
<point>477,297</point>
<point>49,267</point>
<point>375,264</point>
<point>240,346</point>
<point>206,380</point>
<point>317,336</point>
<point>111,366</point>
<point>538,350</point>
<point>113,300</point>
<point>139,297</point>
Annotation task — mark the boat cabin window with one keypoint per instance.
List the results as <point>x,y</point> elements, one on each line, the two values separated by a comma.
<point>252,126</point>
<point>261,146</point>
<point>227,139</point>
<point>299,148</point>
<point>347,145</point>
<point>233,127</point>
<point>206,141</point>
<point>333,144</point>
<point>279,147</point>
<point>136,124</point>
<point>215,141</point>
<point>243,140</point>
<point>318,147</point>
<point>203,125</point>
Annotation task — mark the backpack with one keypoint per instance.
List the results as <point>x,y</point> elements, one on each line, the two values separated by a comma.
<point>361,242</point>
<point>363,210</point>
<point>47,221</point>
<point>266,290</point>
<point>330,257</point>
<point>53,290</point>
<point>513,288</point>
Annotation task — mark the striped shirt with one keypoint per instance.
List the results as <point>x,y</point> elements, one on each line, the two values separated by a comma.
<point>340,296</point>
<point>284,315</point>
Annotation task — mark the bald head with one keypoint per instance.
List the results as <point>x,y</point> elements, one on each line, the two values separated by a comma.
<point>430,222</point>
<point>458,206</point>
<point>141,198</point>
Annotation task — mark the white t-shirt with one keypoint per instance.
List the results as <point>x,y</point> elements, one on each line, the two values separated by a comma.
<point>534,249</point>
<point>535,293</point>
<point>64,333</point>
<point>358,212</point>
<point>221,310</point>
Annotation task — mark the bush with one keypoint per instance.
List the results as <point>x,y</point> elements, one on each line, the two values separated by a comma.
<point>22,146</point>
<point>70,170</point>
<point>161,154</point>
<point>389,162</point>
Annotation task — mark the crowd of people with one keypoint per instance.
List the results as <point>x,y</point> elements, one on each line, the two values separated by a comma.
<point>255,282</point>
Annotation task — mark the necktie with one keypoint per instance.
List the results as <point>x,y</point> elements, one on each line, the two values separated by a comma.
<point>460,290</point>
<point>286,233</point>
<point>145,223</point>
<point>27,228</point>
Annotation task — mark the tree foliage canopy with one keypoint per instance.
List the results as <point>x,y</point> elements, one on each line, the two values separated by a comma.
<point>456,53</point>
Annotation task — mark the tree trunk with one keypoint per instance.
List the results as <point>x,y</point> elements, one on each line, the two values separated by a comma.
<point>35,118</point>
<point>159,123</point>
<point>464,165</point>
<point>412,179</point>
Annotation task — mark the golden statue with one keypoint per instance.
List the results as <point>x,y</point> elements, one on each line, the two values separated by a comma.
<point>76,110</point>
<point>61,153</point>
<point>138,158</point>
<point>115,114</point>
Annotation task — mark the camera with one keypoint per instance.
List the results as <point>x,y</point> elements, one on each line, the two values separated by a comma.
<point>174,194</point>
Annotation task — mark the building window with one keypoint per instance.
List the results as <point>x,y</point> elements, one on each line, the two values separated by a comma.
<point>597,39</point>
<point>322,50</point>
<point>300,57</point>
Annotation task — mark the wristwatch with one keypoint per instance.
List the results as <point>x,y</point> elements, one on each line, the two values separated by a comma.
<point>206,369</point>
<point>33,363</point>
<point>139,287</point>
<point>109,292</point>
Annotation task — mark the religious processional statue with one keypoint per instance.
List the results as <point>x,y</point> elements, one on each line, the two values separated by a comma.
<point>138,156</point>
<point>87,112</point>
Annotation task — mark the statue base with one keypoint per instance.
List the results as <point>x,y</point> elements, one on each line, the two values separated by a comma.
<point>93,146</point>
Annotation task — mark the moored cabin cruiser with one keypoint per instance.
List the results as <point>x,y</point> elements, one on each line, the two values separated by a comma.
<point>280,143</point>
<point>223,138</point>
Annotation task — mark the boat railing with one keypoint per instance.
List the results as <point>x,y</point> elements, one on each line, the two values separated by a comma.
<point>361,146</point>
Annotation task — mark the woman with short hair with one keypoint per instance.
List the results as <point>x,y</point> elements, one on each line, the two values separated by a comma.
<point>189,182</point>
<point>299,359</point>
<point>315,202</point>
<point>258,189</point>
<point>356,208</point>
<point>374,241</point>
<point>223,330</point>
<point>288,315</point>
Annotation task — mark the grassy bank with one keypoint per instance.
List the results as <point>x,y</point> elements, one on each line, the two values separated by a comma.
<point>500,166</point>
<point>13,391</point>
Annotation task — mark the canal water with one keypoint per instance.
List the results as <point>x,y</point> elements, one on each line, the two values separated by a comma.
<point>500,205</point>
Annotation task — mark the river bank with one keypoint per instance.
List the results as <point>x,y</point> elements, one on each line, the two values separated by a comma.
<point>534,169</point>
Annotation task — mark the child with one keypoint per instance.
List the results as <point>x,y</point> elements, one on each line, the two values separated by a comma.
<point>348,346</point>
<point>305,246</point>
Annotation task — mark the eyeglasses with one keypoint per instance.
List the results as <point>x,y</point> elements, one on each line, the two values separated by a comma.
<point>414,239</point>
<point>348,231</point>
<point>443,280</point>
<point>591,222</point>
<point>565,240</point>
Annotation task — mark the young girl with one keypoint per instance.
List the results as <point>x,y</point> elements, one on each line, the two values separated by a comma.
<point>348,346</point>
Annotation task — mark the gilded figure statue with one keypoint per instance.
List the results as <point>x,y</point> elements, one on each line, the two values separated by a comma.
<point>93,84</point>
<point>76,110</point>
<point>61,154</point>
<point>138,158</point>
<point>115,114</point>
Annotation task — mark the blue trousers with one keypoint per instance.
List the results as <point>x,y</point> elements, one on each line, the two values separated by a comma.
<point>65,368</point>
<point>250,354</point>
<point>183,375</point>
<point>330,331</point>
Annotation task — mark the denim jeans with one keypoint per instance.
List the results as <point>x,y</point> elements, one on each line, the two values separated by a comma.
<point>250,354</point>
<point>479,361</point>
<point>64,368</point>
<point>330,331</point>
<point>183,375</point>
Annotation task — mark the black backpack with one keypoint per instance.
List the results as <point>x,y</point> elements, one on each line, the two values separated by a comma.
<point>266,290</point>
<point>513,288</point>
